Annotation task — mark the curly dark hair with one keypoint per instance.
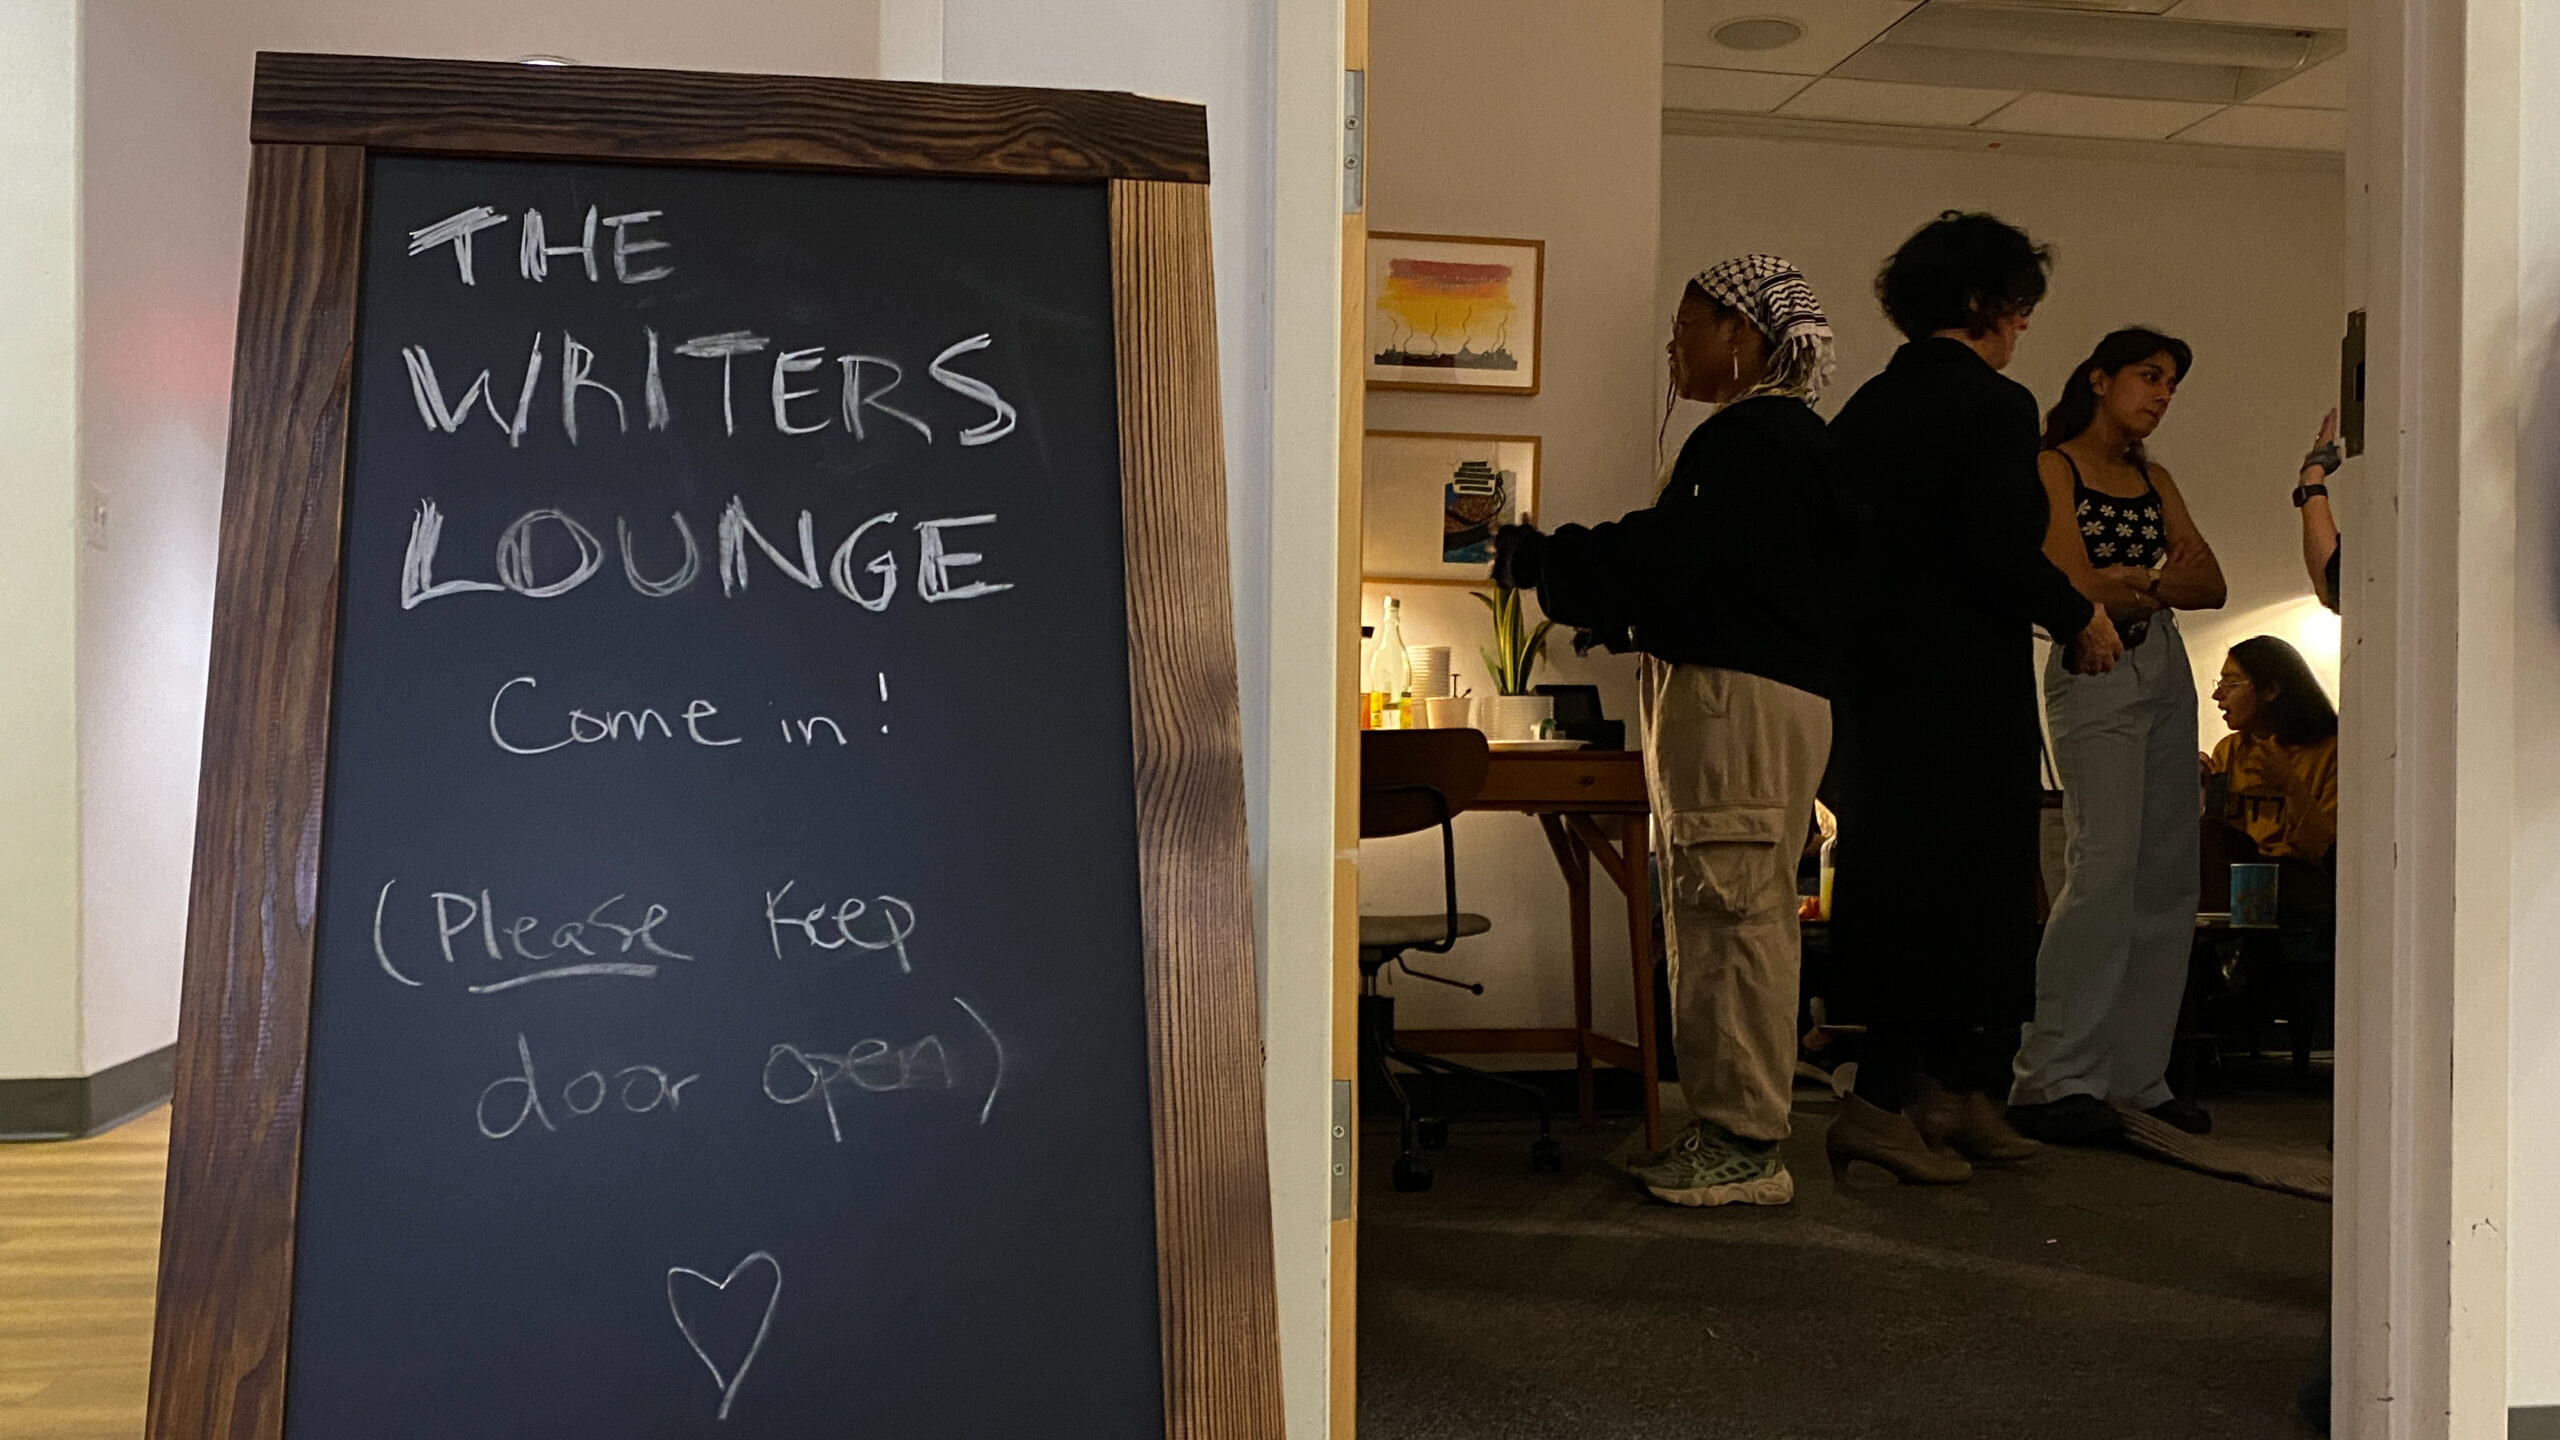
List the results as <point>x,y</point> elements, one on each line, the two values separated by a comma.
<point>1962,271</point>
<point>2299,712</point>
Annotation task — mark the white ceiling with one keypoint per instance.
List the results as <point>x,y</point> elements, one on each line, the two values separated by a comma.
<point>2256,74</point>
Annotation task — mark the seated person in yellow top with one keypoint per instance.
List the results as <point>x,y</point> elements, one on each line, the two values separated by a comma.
<point>2278,769</point>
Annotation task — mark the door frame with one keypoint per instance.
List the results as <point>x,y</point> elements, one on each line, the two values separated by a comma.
<point>2427,743</point>
<point>1310,902</point>
<point>1351,418</point>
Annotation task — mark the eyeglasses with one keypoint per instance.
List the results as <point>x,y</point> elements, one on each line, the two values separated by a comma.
<point>2228,683</point>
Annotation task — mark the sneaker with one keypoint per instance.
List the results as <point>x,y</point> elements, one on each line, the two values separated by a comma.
<point>2071,1120</point>
<point>1706,1167</point>
<point>2186,1114</point>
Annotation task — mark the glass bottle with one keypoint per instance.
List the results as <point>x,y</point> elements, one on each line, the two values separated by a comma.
<point>1369,699</point>
<point>1390,669</point>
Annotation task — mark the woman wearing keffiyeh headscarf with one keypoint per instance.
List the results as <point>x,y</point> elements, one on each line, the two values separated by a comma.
<point>1724,584</point>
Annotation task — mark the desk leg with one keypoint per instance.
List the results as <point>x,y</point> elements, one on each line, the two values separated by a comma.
<point>1575,862</point>
<point>1637,841</point>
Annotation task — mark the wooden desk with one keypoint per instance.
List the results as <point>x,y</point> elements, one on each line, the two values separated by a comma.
<point>1592,806</point>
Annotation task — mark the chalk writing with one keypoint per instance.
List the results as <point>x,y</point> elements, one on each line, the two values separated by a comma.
<point>604,366</point>
<point>640,1089</point>
<point>625,424</point>
<point>588,727</point>
<point>795,1074</point>
<point>612,939</point>
<point>519,568</point>
<point>893,921</point>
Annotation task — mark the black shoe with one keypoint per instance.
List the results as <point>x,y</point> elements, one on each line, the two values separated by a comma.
<point>2186,1114</point>
<point>2071,1120</point>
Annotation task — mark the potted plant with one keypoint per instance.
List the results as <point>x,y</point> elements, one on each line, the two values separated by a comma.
<point>1513,713</point>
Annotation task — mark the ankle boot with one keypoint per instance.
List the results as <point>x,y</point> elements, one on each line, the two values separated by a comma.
<point>1967,1125</point>
<point>1890,1141</point>
<point>1984,1136</point>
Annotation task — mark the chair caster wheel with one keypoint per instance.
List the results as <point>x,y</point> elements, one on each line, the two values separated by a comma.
<point>1546,1157</point>
<point>1431,1134</point>
<point>1412,1173</point>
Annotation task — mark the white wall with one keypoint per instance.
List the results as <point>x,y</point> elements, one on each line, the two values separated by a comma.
<point>161,135</point>
<point>1517,118</point>
<point>2245,264</point>
<point>163,111</point>
<point>39,385</point>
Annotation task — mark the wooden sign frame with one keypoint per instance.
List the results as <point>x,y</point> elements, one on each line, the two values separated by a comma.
<point>220,1344</point>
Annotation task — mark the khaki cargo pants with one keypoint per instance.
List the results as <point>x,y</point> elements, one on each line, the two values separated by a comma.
<point>1732,761</point>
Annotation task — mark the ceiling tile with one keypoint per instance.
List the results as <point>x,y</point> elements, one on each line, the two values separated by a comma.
<point>2296,14</point>
<point>1833,31</point>
<point>2269,127</point>
<point>2098,116</point>
<point>1700,87</point>
<point>2322,87</point>
<point>1885,103</point>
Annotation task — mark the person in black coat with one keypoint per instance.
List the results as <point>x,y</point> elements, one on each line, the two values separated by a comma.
<point>1934,899</point>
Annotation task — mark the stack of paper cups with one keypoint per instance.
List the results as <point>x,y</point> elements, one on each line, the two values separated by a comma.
<point>1430,670</point>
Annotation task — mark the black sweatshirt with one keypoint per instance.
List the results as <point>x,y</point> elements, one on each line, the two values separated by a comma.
<point>1732,564</point>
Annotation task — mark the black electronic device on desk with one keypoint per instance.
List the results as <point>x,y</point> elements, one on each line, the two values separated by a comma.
<point>1578,717</point>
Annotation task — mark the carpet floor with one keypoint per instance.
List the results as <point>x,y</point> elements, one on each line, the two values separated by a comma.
<point>2088,1294</point>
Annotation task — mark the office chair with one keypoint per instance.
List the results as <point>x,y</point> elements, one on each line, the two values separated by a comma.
<point>1410,781</point>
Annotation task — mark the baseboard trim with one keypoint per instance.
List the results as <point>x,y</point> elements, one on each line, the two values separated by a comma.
<point>84,1105</point>
<point>2534,1422</point>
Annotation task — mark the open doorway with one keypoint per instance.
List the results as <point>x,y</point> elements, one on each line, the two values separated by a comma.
<point>2101,1291</point>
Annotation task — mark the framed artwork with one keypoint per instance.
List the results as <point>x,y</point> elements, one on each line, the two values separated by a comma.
<point>1455,312</point>
<point>1431,502</point>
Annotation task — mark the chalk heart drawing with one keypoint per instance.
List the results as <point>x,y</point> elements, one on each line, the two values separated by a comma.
<point>705,1293</point>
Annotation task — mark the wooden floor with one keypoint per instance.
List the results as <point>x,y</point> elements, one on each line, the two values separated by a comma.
<point>79,1246</point>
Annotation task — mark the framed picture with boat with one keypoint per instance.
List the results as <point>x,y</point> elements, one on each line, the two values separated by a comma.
<point>1455,312</point>
<point>1431,502</point>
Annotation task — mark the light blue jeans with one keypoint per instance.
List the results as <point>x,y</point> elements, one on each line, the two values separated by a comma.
<point>2114,963</point>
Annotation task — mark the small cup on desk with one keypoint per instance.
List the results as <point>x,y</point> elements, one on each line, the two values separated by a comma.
<point>1448,712</point>
<point>1430,670</point>
<point>2253,897</point>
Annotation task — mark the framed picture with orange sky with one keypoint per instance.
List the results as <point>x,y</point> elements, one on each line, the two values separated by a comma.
<point>1455,312</point>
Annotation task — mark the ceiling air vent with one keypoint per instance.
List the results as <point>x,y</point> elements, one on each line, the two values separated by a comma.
<point>1764,32</point>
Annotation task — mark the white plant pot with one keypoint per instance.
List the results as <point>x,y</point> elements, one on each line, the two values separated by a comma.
<point>1513,717</point>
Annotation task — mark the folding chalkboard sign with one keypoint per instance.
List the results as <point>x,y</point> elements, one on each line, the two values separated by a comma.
<point>720,899</point>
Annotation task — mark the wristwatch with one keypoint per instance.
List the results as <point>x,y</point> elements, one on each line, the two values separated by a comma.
<point>2302,494</point>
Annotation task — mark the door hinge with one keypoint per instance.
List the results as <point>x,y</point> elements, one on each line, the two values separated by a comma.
<point>1355,85</point>
<point>1340,1149</point>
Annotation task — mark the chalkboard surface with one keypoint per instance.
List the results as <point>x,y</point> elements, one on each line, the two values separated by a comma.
<point>728,1016</point>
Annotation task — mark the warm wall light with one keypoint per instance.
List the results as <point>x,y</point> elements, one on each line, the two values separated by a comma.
<point>544,60</point>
